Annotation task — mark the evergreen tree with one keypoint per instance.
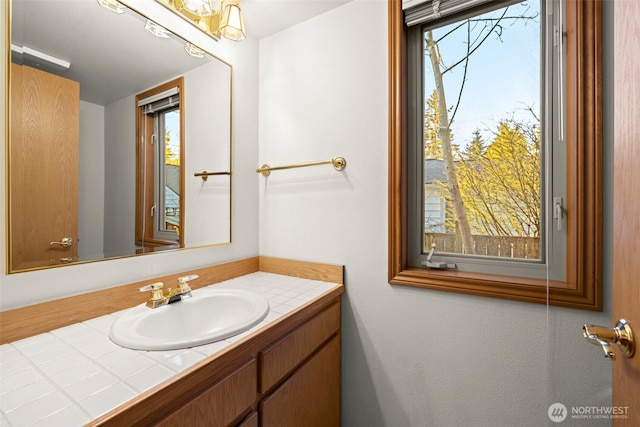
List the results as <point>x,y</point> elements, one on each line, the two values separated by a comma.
<point>170,158</point>
<point>432,145</point>
<point>476,148</point>
<point>501,189</point>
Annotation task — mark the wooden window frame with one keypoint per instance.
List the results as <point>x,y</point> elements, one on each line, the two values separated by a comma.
<point>583,285</point>
<point>145,173</point>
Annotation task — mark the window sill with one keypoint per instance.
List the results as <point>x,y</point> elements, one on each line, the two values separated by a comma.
<point>513,288</point>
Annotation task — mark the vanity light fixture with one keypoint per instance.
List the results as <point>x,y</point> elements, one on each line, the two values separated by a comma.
<point>226,21</point>
<point>112,5</point>
<point>232,21</point>
<point>197,8</point>
<point>156,30</point>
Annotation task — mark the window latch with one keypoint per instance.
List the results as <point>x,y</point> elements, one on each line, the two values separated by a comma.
<point>558,211</point>
<point>437,265</point>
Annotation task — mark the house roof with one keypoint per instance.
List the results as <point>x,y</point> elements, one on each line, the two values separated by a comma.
<point>434,171</point>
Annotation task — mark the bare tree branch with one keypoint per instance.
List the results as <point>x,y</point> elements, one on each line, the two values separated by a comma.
<point>478,46</point>
<point>464,76</point>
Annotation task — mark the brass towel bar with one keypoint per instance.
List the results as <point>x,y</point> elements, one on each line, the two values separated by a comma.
<point>205,174</point>
<point>338,163</point>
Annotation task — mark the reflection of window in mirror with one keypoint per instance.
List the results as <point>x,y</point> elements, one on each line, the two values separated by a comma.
<point>160,183</point>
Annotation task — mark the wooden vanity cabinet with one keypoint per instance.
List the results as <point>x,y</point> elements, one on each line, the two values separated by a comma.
<point>250,420</point>
<point>296,382</point>
<point>286,375</point>
<point>284,355</point>
<point>310,397</point>
<point>303,370</point>
<point>221,404</point>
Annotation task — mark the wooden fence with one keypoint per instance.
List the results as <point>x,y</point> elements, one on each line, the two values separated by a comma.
<point>496,246</point>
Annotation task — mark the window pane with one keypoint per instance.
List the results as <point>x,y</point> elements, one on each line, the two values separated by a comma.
<point>171,170</point>
<point>482,130</point>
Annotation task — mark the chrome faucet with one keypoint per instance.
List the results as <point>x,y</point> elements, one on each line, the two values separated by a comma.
<point>158,298</point>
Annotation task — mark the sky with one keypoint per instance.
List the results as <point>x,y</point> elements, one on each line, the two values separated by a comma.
<point>503,76</point>
<point>172,124</point>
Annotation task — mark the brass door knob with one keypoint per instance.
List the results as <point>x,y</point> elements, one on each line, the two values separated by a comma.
<point>65,242</point>
<point>621,335</point>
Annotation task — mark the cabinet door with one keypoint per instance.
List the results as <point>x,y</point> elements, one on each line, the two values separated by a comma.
<point>221,404</point>
<point>311,396</point>
<point>250,421</point>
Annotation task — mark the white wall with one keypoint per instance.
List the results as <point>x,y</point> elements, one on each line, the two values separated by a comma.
<point>120,177</point>
<point>208,147</point>
<point>91,185</point>
<point>22,289</point>
<point>411,357</point>
<point>207,135</point>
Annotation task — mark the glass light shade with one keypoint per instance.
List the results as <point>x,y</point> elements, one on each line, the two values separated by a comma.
<point>198,7</point>
<point>232,22</point>
<point>156,30</point>
<point>227,21</point>
<point>112,5</point>
<point>194,51</point>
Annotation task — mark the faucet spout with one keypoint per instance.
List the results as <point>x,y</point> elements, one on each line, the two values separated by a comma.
<point>177,295</point>
<point>158,299</point>
<point>183,291</point>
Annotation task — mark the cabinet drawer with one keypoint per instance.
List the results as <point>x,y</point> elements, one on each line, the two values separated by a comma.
<point>221,404</point>
<point>282,357</point>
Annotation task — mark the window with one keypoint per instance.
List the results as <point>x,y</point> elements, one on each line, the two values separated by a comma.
<point>159,213</point>
<point>166,183</point>
<point>502,253</point>
<point>483,161</point>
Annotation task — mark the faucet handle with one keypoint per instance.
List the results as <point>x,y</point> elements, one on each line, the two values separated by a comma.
<point>156,290</point>
<point>183,282</point>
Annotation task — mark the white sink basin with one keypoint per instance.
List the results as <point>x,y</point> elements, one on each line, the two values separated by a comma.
<point>204,318</point>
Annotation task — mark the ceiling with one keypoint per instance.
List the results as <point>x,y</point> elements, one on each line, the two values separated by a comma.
<point>98,44</point>
<point>266,17</point>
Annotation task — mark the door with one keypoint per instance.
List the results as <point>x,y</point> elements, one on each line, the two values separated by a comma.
<point>626,263</point>
<point>45,126</point>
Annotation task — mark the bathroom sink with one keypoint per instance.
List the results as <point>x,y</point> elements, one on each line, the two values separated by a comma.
<point>209,316</point>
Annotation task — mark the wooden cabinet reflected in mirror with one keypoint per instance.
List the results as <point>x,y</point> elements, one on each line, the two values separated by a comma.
<point>72,136</point>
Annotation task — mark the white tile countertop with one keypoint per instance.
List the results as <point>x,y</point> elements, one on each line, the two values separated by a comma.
<point>72,375</point>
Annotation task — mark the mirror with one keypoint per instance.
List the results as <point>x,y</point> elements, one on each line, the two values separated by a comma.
<point>70,208</point>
